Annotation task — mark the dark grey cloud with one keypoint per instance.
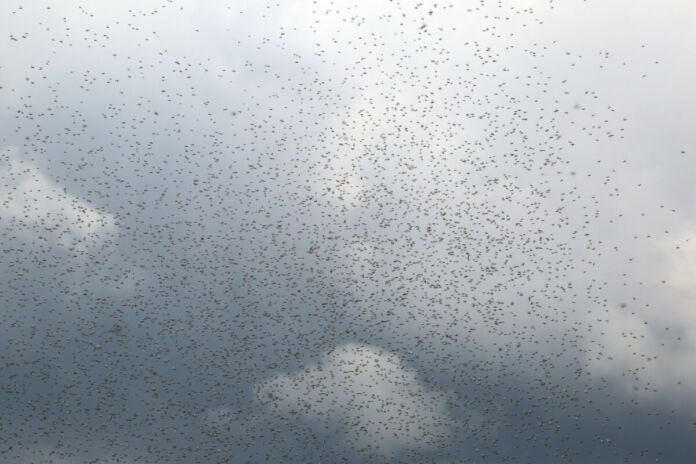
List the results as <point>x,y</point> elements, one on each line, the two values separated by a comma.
<point>208,211</point>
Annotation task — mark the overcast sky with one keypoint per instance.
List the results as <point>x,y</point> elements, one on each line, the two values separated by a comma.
<point>328,231</point>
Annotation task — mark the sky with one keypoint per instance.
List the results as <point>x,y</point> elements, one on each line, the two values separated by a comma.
<point>369,231</point>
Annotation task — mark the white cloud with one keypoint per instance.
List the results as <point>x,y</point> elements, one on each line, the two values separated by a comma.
<point>681,274</point>
<point>37,206</point>
<point>364,395</point>
<point>648,361</point>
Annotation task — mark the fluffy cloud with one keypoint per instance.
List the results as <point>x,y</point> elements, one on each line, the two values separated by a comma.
<point>681,253</point>
<point>654,351</point>
<point>649,361</point>
<point>37,206</point>
<point>365,396</point>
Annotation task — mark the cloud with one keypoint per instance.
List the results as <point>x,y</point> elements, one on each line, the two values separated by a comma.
<point>681,252</point>
<point>364,395</point>
<point>654,351</point>
<point>37,206</point>
<point>647,361</point>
